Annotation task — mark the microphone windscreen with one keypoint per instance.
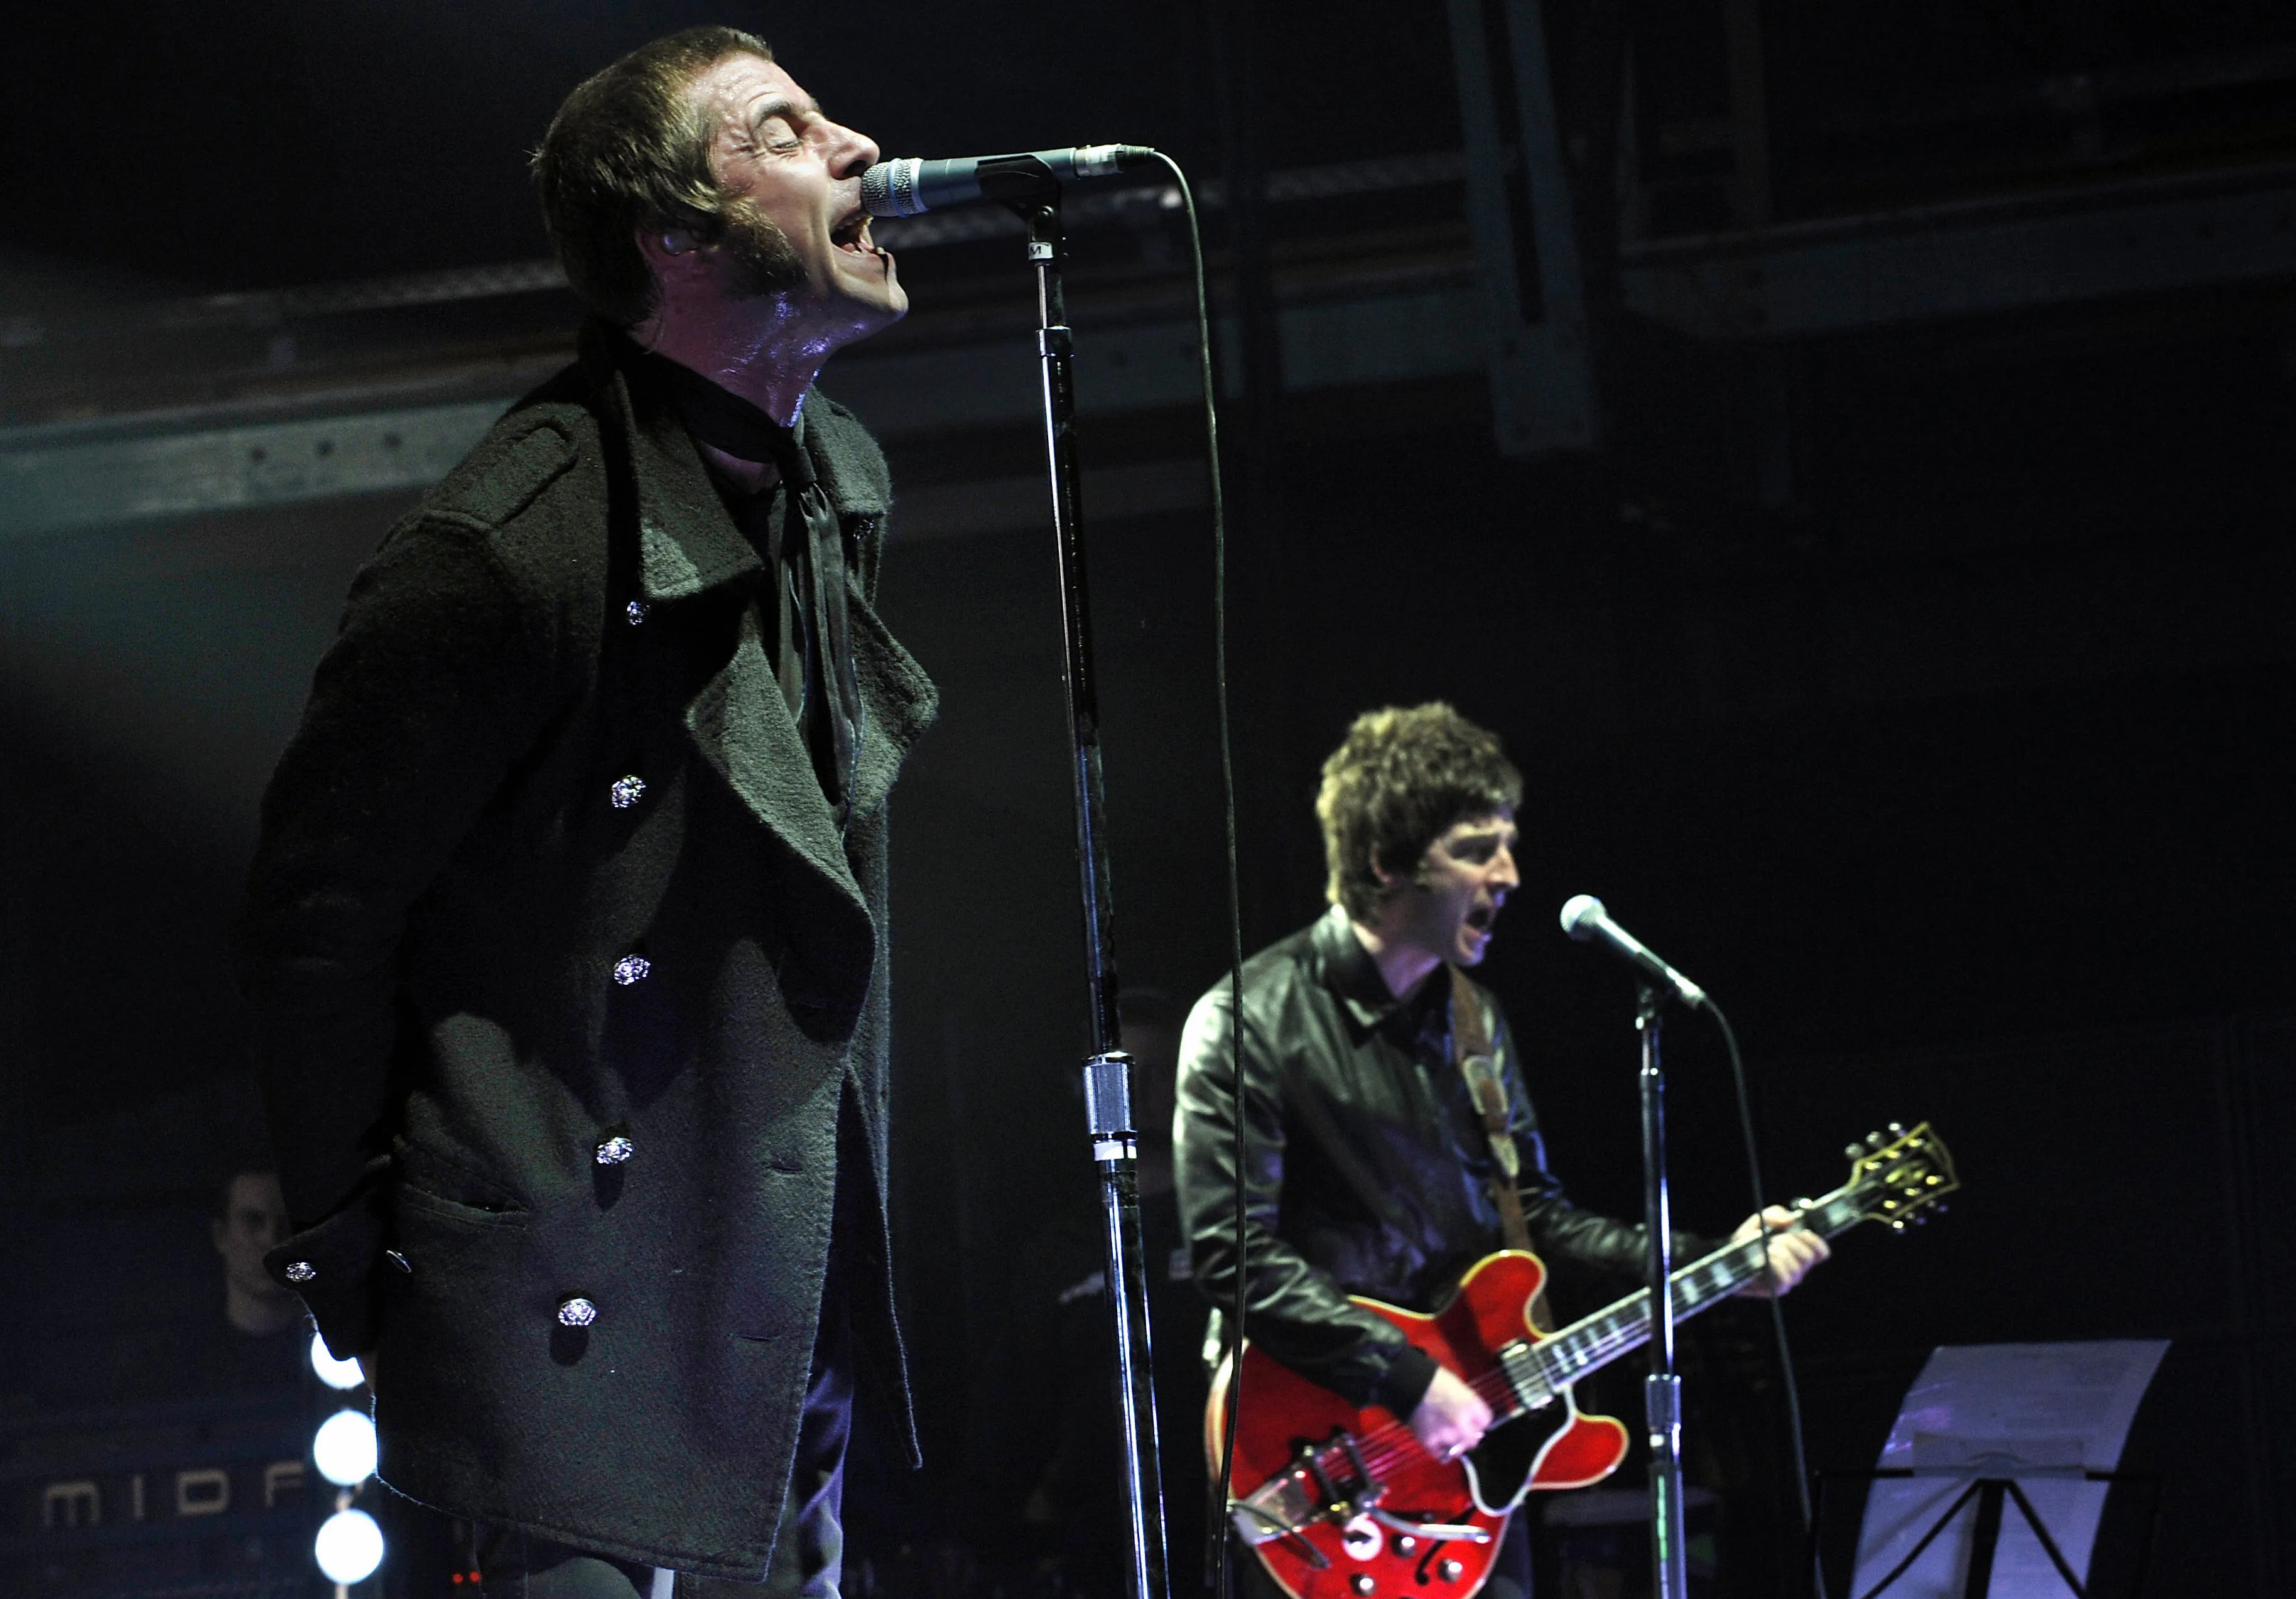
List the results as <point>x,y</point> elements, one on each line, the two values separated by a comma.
<point>1580,913</point>
<point>889,188</point>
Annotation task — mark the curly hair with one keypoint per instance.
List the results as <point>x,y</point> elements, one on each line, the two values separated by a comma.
<point>630,152</point>
<point>1400,781</point>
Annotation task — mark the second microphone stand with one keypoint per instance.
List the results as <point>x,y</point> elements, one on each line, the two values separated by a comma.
<point>1035,196</point>
<point>1662,1389</point>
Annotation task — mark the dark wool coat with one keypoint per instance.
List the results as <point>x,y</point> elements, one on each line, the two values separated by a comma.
<point>547,866</point>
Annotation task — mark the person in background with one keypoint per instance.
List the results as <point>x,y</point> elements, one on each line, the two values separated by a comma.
<point>250,1221</point>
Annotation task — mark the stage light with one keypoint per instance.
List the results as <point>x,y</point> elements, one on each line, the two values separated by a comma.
<point>350,1546</point>
<point>344,1448</point>
<point>335,1373</point>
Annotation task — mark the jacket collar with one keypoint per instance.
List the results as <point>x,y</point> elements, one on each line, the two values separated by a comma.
<point>1353,977</point>
<point>739,722</point>
<point>687,542</point>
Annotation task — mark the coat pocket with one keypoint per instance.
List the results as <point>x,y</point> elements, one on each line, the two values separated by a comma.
<point>462,1375</point>
<point>453,1183</point>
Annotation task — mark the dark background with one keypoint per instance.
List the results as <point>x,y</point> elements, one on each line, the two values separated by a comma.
<point>1924,689</point>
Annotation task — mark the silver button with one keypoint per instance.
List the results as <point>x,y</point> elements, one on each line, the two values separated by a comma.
<point>616,1150</point>
<point>627,790</point>
<point>1449,1570</point>
<point>575,1311</point>
<point>631,968</point>
<point>634,612</point>
<point>1362,1585</point>
<point>301,1271</point>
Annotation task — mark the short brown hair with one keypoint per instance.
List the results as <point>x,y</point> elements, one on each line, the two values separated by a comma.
<point>1400,780</point>
<point>630,151</point>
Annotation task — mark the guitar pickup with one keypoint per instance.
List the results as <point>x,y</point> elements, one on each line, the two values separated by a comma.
<point>1434,1531</point>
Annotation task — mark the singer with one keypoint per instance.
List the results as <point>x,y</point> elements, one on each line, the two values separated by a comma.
<point>1369,1168</point>
<point>566,936</point>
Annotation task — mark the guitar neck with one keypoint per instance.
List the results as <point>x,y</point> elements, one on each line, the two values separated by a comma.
<point>1588,1345</point>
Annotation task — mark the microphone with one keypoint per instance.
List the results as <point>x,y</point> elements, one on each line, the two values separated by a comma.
<point>1584,920</point>
<point>908,186</point>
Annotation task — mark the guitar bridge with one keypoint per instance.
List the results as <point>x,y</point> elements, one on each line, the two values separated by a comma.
<point>1324,1481</point>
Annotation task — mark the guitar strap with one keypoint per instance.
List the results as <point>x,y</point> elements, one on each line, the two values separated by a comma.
<point>1471,1044</point>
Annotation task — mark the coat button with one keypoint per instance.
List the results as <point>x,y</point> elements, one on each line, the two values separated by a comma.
<point>634,612</point>
<point>631,968</point>
<point>575,1311</point>
<point>627,791</point>
<point>301,1271</point>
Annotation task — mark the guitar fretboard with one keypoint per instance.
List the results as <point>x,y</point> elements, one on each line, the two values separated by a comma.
<point>1540,1370</point>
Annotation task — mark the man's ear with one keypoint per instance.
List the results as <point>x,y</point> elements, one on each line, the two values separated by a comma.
<point>666,249</point>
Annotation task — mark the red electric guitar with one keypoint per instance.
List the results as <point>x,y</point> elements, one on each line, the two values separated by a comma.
<point>1341,1502</point>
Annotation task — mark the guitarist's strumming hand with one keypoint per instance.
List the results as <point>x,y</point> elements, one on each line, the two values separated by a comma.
<point>1451,1419</point>
<point>1793,1249</point>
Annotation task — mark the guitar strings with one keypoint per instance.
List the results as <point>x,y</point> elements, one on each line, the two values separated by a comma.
<point>1600,1338</point>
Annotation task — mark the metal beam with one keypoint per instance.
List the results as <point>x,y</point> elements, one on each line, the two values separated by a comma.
<point>75,475</point>
<point>1969,259</point>
<point>1542,383</point>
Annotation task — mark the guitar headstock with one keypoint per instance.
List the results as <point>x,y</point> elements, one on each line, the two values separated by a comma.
<point>1898,1176</point>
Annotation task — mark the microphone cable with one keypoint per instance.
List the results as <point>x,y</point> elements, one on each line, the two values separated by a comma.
<point>1778,1304</point>
<point>1219,1574</point>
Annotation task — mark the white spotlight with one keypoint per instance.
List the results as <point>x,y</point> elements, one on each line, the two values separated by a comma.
<point>345,1448</point>
<point>335,1373</point>
<point>350,1546</point>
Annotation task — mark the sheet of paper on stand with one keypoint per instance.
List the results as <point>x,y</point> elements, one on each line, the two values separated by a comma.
<point>2041,1414</point>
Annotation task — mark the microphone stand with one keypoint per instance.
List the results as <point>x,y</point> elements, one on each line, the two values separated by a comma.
<point>1662,1389</point>
<point>1107,1070</point>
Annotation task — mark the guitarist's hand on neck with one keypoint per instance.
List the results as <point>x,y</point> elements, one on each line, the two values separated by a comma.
<point>1794,1251</point>
<point>1451,1418</point>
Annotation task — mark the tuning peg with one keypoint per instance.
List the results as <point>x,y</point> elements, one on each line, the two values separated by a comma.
<point>1897,1129</point>
<point>1897,1227</point>
<point>1875,1140</point>
<point>1853,1152</point>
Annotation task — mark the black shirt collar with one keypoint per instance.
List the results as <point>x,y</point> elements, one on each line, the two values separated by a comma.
<point>723,420</point>
<point>1352,975</point>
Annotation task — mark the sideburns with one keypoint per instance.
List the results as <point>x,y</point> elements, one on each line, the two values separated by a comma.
<point>765,261</point>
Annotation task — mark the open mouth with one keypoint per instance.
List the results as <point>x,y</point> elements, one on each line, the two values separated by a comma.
<point>852,235</point>
<point>1481,916</point>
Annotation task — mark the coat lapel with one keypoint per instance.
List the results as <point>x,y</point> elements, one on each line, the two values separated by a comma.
<point>900,702</point>
<point>739,721</point>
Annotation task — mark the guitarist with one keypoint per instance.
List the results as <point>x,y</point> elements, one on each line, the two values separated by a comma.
<point>1370,1153</point>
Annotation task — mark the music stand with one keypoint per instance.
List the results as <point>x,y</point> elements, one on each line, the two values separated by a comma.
<point>1991,1493</point>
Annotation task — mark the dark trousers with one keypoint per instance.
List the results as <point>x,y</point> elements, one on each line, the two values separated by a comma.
<point>808,1550</point>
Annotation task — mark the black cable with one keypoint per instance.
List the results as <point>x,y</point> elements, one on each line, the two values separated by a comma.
<point>1216,1542</point>
<point>1777,1306</point>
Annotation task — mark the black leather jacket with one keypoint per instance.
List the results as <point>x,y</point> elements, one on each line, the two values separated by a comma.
<point>1367,1169</point>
